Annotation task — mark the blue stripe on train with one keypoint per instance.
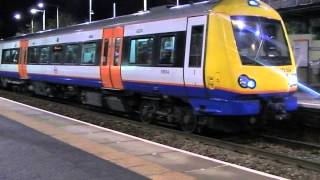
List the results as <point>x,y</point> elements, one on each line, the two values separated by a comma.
<point>172,90</point>
<point>94,83</point>
<point>9,74</point>
<point>215,102</point>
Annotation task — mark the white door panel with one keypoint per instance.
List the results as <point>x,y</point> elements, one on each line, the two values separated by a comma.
<point>194,56</point>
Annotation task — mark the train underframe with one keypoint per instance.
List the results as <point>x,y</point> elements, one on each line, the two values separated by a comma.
<point>151,108</point>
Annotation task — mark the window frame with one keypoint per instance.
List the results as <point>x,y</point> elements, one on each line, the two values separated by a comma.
<point>10,55</point>
<point>97,55</point>
<point>176,47</point>
<point>180,49</point>
<point>52,54</point>
<point>29,54</point>
<point>49,55</point>
<point>77,60</point>
<point>128,50</point>
<point>120,52</point>
<point>3,54</point>
<point>202,47</point>
<point>63,63</point>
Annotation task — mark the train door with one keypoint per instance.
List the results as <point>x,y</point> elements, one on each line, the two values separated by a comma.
<point>111,58</point>
<point>22,66</point>
<point>194,57</point>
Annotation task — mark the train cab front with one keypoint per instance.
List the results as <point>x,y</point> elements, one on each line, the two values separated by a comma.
<point>250,67</point>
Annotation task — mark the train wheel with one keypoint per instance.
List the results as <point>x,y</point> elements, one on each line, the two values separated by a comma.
<point>147,112</point>
<point>4,83</point>
<point>189,122</point>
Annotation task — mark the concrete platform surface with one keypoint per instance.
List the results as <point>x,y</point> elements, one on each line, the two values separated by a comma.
<point>28,154</point>
<point>306,100</point>
<point>37,144</point>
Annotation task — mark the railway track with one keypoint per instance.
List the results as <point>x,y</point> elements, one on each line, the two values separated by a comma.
<point>313,115</point>
<point>314,165</point>
<point>246,149</point>
<point>290,142</point>
<point>241,148</point>
<point>233,146</point>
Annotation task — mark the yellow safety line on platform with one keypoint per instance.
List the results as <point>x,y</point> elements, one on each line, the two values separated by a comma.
<point>131,162</point>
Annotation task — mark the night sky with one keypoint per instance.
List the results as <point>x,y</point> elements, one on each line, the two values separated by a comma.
<point>78,9</point>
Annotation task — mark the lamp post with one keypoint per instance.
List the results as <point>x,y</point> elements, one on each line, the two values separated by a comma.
<point>90,11</point>
<point>114,10</point>
<point>35,11</point>
<point>32,25</point>
<point>145,5</point>
<point>42,5</point>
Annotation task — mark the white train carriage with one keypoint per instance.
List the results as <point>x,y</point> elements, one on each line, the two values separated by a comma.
<point>10,69</point>
<point>180,64</point>
<point>69,59</point>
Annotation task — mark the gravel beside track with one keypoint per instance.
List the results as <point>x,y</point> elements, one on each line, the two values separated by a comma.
<point>159,135</point>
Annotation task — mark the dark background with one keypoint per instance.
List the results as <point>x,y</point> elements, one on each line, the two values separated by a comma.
<point>77,10</point>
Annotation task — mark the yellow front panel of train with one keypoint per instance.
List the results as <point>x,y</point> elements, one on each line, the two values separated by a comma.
<point>226,61</point>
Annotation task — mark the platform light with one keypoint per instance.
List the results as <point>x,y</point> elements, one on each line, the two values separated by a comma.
<point>33,11</point>
<point>17,16</point>
<point>255,3</point>
<point>41,5</point>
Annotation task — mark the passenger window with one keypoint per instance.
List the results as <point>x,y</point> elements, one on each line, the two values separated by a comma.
<point>10,56</point>
<point>33,55</point>
<point>117,51</point>
<point>167,50</point>
<point>73,54</point>
<point>6,56</point>
<point>89,53</point>
<point>57,54</point>
<point>105,52</point>
<point>141,51</point>
<point>44,55</point>
<point>14,56</point>
<point>196,46</point>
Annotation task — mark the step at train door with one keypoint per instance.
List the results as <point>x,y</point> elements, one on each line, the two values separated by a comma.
<point>194,57</point>
<point>22,66</point>
<point>111,56</point>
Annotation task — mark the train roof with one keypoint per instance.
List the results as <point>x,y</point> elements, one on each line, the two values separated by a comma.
<point>156,13</point>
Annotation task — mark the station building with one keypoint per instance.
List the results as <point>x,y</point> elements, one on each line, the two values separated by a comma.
<point>302,19</point>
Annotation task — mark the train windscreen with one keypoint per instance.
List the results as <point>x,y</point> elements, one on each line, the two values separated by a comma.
<point>260,41</point>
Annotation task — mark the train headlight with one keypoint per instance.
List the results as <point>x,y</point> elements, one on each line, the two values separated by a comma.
<point>252,84</point>
<point>292,79</point>
<point>255,3</point>
<point>245,82</point>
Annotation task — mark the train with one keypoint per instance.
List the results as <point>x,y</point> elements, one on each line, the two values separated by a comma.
<point>191,65</point>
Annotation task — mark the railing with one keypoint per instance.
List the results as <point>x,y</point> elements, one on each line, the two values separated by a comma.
<point>281,4</point>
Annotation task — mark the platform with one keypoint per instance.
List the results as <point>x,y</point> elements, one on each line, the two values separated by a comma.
<point>36,144</point>
<point>308,101</point>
